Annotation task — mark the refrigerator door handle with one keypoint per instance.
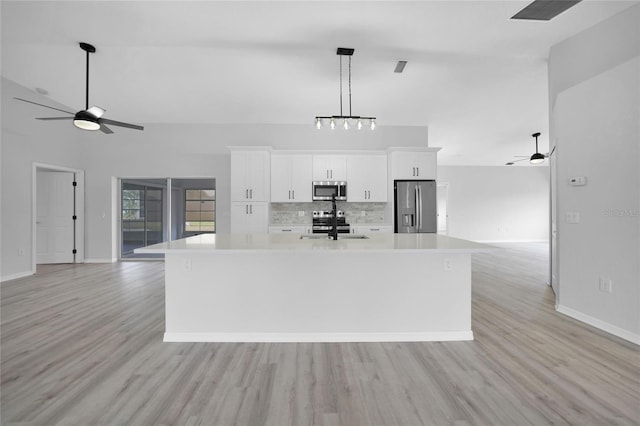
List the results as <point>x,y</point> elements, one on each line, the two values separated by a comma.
<point>417,208</point>
<point>420,204</point>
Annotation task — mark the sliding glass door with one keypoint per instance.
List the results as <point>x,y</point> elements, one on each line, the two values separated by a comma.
<point>158,210</point>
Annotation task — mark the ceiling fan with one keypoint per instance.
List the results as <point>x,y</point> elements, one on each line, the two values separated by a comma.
<point>88,118</point>
<point>536,158</point>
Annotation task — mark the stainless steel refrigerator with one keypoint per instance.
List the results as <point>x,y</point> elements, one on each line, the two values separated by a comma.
<point>415,205</point>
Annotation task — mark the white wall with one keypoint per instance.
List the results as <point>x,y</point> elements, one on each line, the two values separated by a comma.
<point>160,151</point>
<point>25,141</point>
<point>502,203</point>
<point>595,120</point>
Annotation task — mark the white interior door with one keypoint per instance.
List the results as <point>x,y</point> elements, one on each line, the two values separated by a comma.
<point>54,217</point>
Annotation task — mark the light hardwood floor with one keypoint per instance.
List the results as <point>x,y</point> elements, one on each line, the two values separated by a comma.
<point>82,345</point>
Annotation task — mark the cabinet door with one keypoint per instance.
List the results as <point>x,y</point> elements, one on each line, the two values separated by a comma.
<point>240,218</point>
<point>414,165</point>
<point>367,178</point>
<point>250,176</point>
<point>258,218</point>
<point>329,167</point>
<point>281,179</point>
<point>249,218</point>
<point>259,175</point>
<point>301,181</point>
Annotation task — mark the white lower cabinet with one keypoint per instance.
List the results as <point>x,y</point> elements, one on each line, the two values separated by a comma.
<point>371,229</point>
<point>249,218</point>
<point>296,229</point>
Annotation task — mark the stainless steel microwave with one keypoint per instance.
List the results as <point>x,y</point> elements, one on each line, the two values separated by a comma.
<point>324,190</point>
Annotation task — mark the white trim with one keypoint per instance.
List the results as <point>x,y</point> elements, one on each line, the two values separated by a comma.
<point>445,336</point>
<point>508,241</point>
<point>16,276</point>
<point>79,206</point>
<point>101,260</point>
<point>597,323</point>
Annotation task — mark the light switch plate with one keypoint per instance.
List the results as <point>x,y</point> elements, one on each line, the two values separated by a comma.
<point>573,217</point>
<point>578,180</point>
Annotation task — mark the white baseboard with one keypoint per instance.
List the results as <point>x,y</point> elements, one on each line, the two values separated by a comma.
<point>16,276</point>
<point>598,323</point>
<point>320,337</point>
<point>101,260</point>
<point>511,241</point>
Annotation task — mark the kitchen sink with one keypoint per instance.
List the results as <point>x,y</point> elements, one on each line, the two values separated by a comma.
<point>340,237</point>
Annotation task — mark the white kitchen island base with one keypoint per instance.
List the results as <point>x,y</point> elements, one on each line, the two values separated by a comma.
<point>278,288</point>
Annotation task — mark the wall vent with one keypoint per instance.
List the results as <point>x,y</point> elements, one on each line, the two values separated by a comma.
<point>544,10</point>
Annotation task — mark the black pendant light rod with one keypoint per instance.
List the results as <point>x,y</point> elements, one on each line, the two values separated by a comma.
<point>343,51</point>
<point>89,49</point>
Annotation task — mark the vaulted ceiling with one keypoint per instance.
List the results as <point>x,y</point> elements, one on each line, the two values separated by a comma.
<point>477,79</point>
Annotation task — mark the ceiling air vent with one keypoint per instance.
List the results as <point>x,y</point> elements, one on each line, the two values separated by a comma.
<point>400,66</point>
<point>544,10</point>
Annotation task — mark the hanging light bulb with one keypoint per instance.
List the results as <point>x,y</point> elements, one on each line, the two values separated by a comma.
<point>359,123</point>
<point>333,123</point>
<point>318,123</point>
<point>373,124</point>
<point>346,124</point>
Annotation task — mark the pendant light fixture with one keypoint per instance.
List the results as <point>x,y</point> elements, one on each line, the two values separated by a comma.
<point>536,158</point>
<point>346,121</point>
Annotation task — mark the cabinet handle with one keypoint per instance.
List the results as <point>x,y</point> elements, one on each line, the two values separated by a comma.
<point>331,174</point>
<point>246,194</point>
<point>287,230</point>
<point>251,194</point>
<point>251,208</point>
<point>293,194</point>
<point>417,171</point>
<point>289,194</point>
<point>246,209</point>
<point>375,229</point>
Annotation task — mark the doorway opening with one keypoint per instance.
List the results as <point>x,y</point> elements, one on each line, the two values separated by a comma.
<point>57,215</point>
<point>158,210</point>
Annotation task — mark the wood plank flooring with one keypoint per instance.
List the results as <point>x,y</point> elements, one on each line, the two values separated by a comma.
<point>82,345</point>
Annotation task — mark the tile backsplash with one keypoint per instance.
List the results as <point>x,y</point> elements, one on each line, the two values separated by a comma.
<point>289,213</point>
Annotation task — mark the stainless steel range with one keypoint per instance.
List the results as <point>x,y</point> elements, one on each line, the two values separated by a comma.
<point>322,222</point>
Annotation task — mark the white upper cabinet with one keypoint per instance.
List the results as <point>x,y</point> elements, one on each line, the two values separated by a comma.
<point>250,175</point>
<point>414,165</point>
<point>367,178</point>
<point>291,177</point>
<point>330,167</point>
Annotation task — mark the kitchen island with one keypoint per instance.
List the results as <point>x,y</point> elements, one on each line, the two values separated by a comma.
<point>288,288</point>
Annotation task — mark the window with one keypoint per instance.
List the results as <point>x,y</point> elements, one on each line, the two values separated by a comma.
<point>199,211</point>
<point>132,204</point>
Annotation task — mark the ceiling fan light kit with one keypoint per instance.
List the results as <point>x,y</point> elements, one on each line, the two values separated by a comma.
<point>347,120</point>
<point>88,118</point>
<point>536,158</point>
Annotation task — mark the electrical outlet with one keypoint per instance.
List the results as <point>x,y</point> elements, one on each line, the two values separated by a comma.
<point>606,285</point>
<point>187,264</point>
<point>300,213</point>
<point>448,265</point>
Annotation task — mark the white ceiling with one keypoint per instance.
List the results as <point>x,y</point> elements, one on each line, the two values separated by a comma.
<point>475,77</point>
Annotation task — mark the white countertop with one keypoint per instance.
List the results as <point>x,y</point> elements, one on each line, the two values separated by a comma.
<point>243,243</point>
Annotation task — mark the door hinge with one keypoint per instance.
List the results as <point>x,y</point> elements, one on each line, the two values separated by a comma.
<point>74,251</point>
<point>75,183</point>
<point>74,217</point>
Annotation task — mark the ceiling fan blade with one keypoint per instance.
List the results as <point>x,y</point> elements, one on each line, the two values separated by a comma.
<point>105,129</point>
<point>46,106</point>
<point>510,163</point>
<point>96,111</point>
<point>54,118</point>
<point>121,124</point>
